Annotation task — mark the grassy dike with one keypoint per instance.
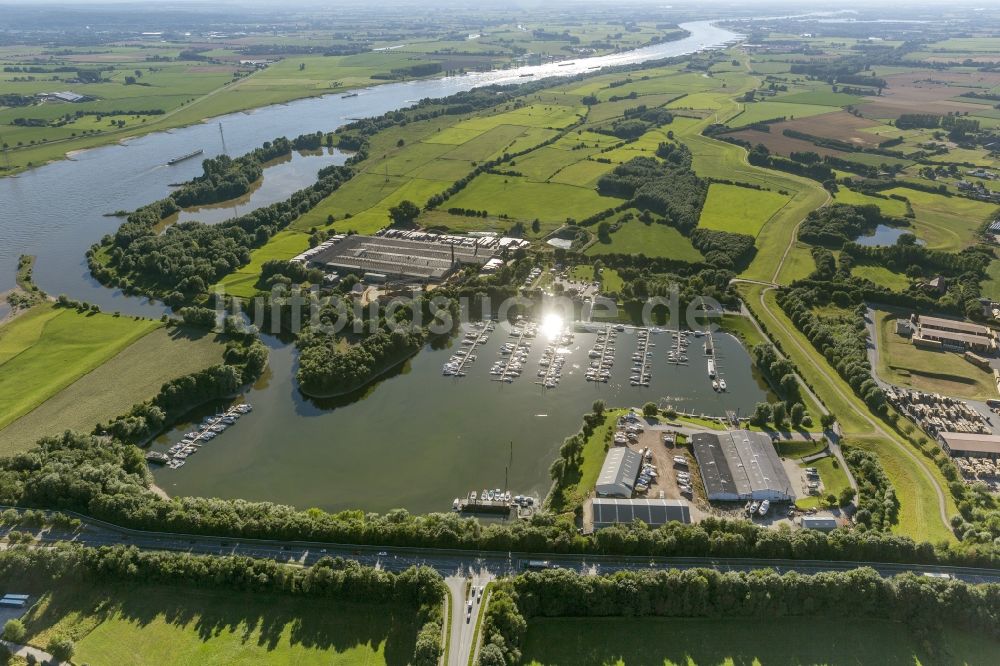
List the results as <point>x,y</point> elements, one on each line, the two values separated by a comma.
<point>912,475</point>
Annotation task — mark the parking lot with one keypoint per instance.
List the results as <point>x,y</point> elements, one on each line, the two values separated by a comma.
<point>803,483</point>
<point>667,470</point>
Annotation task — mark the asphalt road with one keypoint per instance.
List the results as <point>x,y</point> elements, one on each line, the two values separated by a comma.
<point>465,615</point>
<point>450,563</point>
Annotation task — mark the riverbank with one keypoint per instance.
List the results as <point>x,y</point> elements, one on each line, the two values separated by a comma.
<point>45,199</point>
<point>249,94</point>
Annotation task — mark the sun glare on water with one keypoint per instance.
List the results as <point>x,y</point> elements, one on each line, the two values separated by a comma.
<point>552,326</point>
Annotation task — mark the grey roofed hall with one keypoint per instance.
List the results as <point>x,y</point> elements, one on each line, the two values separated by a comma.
<point>739,465</point>
<point>611,511</point>
<point>619,472</point>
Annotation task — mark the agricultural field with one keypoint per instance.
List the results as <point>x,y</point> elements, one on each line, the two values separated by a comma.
<point>49,348</point>
<point>118,624</point>
<point>739,209</point>
<point>737,642</point>
<point>838,125</point>
<point>651,240</point>
<point>946,223</point>
<point>136,372</point>
<point>523,199</point>
<point>924,91</point>
<point>893,207</point>
<point>900,363</point>
<point>756,112</point>
<point>818,98</point>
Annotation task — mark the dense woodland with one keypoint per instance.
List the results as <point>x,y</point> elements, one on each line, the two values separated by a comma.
<point>324,370</point>
<point>668,187</point>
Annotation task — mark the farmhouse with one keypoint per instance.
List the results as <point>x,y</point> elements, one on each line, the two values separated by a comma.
<point>653,512</point>
<point>619,472</point>
<point>740,465</point>
<point>953,335</point>
<point>970,444</point>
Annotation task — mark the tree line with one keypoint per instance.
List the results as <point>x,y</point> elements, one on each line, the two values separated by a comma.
<point>243,363</point>
<point>923,605</point>
<point>418,588</point>
<point>108,479</point>
<point>878,506</point>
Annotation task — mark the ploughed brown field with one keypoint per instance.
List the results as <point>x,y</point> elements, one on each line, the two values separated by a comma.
<point>780,144</point>
<point>928,91</point>
<point>839,125</point>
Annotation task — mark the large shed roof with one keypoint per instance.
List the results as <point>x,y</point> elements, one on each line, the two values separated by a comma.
<point>619,472</point>
<point>610,511</point>
<point>740,462</point>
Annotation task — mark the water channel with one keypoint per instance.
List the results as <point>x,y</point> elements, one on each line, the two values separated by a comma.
<point>415,439</point>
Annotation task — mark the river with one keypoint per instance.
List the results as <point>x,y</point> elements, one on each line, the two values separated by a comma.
<point>57,211</point>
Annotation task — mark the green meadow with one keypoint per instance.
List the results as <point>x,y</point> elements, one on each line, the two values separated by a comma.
<point>739,209</point>
<point>946,223</point>
<point>136,372</point>
<point>159,624</point>
<point>653,240</point>
<point>48,348</point>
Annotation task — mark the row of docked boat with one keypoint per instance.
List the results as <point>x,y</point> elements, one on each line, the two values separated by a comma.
<point>718,383</point>
<point>513,355</point>
<point>209,429</point>
<point>550,367</point>
<point>678,351</point>
<point>498,495</point>
<point>603,353</point>
<point>461,359</point>
<point>641,359</point>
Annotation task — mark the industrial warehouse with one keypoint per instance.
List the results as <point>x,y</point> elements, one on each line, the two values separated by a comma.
<point>740,465</point>
<point>409,255</point>
<point>619,472</point>
<point>937,333</point>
